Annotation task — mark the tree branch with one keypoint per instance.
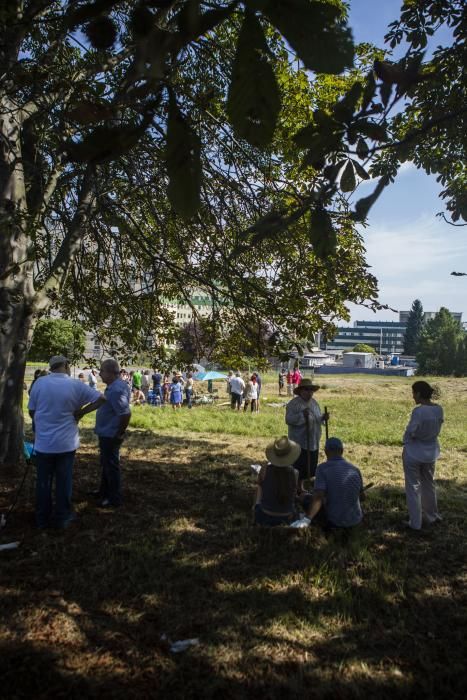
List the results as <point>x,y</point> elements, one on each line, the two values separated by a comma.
<point>69,246</point>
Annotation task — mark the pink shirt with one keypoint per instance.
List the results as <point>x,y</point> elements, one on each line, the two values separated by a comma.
<point>296,376</point>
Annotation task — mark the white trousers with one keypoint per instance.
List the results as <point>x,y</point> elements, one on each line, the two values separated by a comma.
<point>420,492</point>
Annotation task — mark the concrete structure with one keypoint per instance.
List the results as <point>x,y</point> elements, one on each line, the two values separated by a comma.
<point>361,360</point>
<point>387,371</point>
<point>386,337</point>
<point>315,359</point>
<point>183,310</point>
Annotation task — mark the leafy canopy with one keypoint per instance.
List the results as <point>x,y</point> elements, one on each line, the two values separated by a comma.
<point>57,337</point>
<point>441,346</point>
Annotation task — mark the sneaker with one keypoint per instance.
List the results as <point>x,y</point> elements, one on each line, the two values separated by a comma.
<point>108,504</point>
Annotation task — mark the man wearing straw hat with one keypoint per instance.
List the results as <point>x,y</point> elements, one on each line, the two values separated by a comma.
<point>304,419</point>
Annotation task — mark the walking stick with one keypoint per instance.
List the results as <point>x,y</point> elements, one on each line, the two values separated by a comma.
<point>308,456</point>
<point>326,422</point>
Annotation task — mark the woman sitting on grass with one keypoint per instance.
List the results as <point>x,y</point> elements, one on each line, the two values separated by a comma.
<point>277,485</point>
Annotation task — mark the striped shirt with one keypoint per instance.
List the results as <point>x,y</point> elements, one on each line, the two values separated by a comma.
<point>342,482</point>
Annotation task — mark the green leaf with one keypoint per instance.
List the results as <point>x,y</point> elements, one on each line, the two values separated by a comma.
<point>105,143</point>
<point>323,125</point>
<point>345,108</point>
<point>364,205</point>
<point>320,147</point>
<point>362,148</point>
<point>385,90</point>
<point>253,102</point>
<point>369,91</point>
<point>314,31</point>
<point>374,131</point>
<point>361,172</point>
<point>332,171</point>
<point>322,234</point>
<point>348,181</point>
<point>304,137</point>
<point>183,163</point>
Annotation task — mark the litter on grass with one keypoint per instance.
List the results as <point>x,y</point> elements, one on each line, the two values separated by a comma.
<point>10,545</point>
<point>303,522</point>
<point>183,645</point>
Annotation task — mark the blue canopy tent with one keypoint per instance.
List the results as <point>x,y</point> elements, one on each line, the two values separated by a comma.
<point>209,377</point>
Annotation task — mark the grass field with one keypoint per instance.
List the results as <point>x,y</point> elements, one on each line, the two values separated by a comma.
<point>279,614</point>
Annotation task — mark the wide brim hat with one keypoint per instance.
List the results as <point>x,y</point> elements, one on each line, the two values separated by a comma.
<point>283,452</point>
<point>306,383</point>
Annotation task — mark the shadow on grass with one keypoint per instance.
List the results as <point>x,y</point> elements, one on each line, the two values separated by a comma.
<point>279,613</point>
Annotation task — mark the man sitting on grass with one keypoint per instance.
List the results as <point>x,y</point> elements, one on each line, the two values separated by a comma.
<point>337,490</point>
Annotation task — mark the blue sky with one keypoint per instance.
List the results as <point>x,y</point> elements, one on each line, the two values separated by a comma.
<point>411,251</point>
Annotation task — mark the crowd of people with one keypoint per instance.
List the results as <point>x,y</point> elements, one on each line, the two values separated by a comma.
<point>244,392</point>
<point>151,388</point>
<point>57,403</point>
<point>335,501</point>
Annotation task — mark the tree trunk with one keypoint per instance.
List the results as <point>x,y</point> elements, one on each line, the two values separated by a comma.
<point>15,332</point>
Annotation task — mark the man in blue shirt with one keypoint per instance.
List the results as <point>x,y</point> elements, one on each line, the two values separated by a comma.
<point>112,419</point>
<point>338,489</point>
<point>54,402</point>
<point>157,385</point>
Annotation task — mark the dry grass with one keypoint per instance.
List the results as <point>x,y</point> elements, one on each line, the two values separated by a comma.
<point>279,614</point>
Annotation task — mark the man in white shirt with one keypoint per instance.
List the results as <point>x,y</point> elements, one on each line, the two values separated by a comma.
<point>237,387</point>
<point>53,402</point>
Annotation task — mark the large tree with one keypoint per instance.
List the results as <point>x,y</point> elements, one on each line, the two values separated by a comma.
<point>414,328</point>
<point>90,88</point>
<point>57,336</point>
<point>439,344</point>
<point>163,120</point>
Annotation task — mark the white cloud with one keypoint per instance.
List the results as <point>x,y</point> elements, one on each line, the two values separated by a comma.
<point>414,260</point>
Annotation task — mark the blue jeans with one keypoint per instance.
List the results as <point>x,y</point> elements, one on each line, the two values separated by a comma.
<point>157,390</point>
<point>110,487</point>
<point>188,394</point>
<point>60,467</point>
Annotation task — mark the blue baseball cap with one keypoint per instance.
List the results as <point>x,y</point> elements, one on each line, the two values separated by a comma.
<point>333,444</point>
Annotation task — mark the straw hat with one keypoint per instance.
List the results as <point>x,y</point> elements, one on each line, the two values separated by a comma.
<point>283,452</point>
<point>306,383</point>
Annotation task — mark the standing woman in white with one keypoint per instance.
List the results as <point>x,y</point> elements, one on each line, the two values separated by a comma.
<point>421,450</point>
